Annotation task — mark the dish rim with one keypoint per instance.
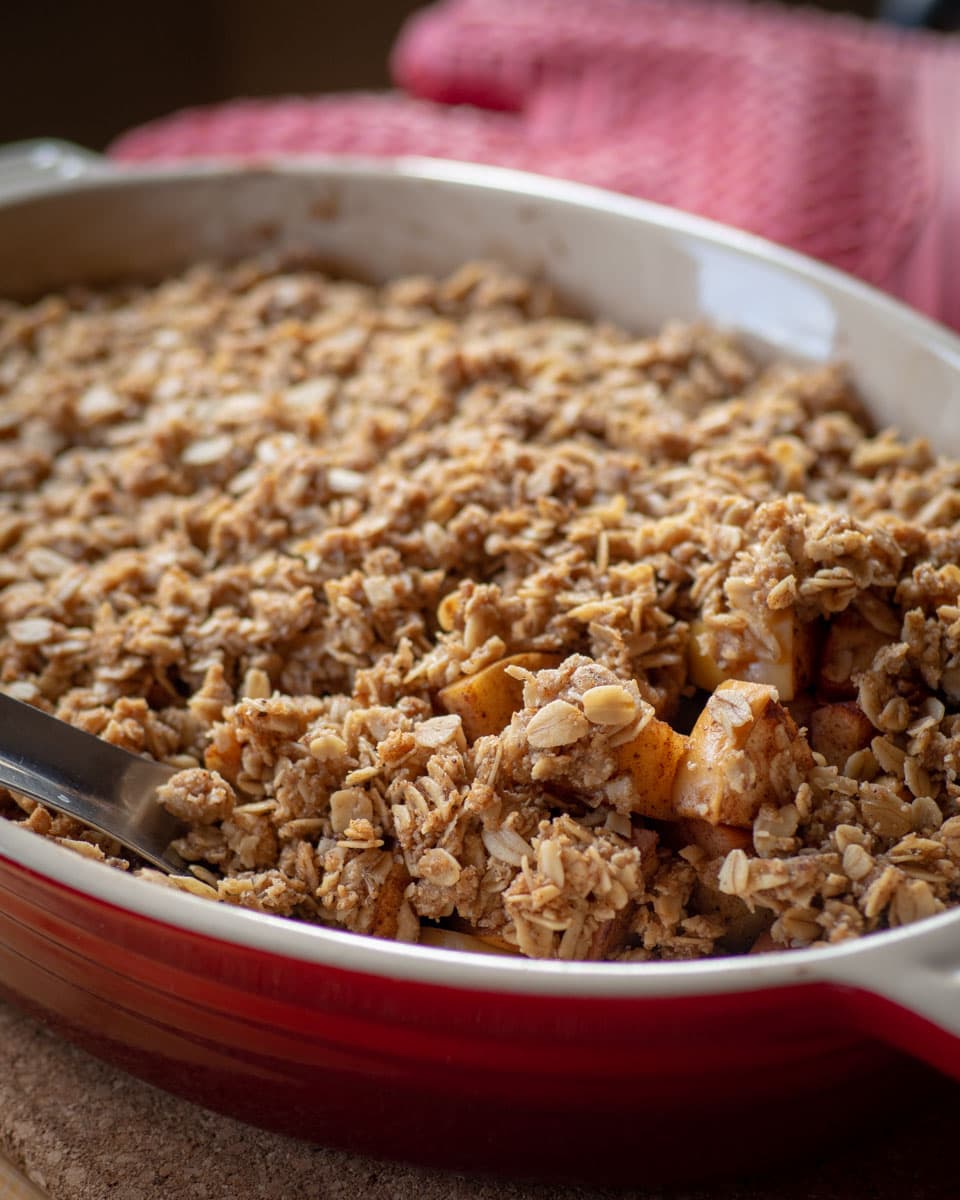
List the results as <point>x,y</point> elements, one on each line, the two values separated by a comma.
<point>319,945</point>
<point>454,969</point>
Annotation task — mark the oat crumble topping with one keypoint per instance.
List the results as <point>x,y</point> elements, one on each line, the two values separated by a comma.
<point>471,623</point>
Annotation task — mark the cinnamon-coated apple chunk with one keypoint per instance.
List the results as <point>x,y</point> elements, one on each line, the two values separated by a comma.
<point>848,649</point>
<point>744,751</point>
<point>743,925</point>
<point>453,939</point>
<point>789,669</point>
<point>716,841</point>
<point>838,731</point>
<point>651,759</point>
<point>485,702</point>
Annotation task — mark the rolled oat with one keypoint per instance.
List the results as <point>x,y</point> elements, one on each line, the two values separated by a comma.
<point>254,521</point>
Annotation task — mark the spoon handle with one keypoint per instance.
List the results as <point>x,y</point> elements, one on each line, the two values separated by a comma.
<point>87,778</point>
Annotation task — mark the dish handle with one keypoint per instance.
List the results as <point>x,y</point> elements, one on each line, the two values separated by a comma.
<point>907,992</point>
<point>34,166</point>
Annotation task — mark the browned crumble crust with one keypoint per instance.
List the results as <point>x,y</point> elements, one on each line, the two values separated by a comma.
<point>254,520</point>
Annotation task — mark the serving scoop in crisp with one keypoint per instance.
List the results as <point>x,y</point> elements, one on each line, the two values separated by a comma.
<point>87,778</point>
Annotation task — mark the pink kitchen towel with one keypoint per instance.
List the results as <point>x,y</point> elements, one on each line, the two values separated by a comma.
<point>831,135</point>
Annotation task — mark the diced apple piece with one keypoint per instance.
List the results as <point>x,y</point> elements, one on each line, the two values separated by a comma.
<point>451,939</point>
<point>839,730</point>
<point>743,927</point>
<point>611,936</point>
<point>789,670</point>
<point>389,901</point>
<point>704,670</point>
<point>485,702</point>
<point>744,751</point>
<point>716,841</point>
<point>651,759</point>
<point>224,755</point>
<point>849,648</point>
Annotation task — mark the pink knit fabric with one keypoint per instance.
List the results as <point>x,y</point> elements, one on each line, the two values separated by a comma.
<point>827,134</point>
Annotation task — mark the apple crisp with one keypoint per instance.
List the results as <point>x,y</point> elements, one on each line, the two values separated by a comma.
<point>468,622</point>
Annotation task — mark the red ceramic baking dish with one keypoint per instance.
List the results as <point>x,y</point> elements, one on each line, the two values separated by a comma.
<point>633,1072</point>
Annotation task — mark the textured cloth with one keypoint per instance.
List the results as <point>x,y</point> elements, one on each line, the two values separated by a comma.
<point>827,134</point>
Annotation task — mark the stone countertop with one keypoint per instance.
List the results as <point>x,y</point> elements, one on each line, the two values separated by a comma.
<point>81,1130</point>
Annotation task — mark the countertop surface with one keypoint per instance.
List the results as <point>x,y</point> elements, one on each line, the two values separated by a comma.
<point>80,1130</point>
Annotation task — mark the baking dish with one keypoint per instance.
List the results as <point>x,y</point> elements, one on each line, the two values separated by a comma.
<point>567,1069</point>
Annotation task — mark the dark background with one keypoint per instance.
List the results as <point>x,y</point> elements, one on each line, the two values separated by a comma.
<point>88,71</point>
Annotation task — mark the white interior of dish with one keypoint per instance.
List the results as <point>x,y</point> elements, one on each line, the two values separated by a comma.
<point>615,257</point>
<point>635,263</point>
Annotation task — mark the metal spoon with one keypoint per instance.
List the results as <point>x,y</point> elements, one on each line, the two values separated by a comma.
<point>87,778</point>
